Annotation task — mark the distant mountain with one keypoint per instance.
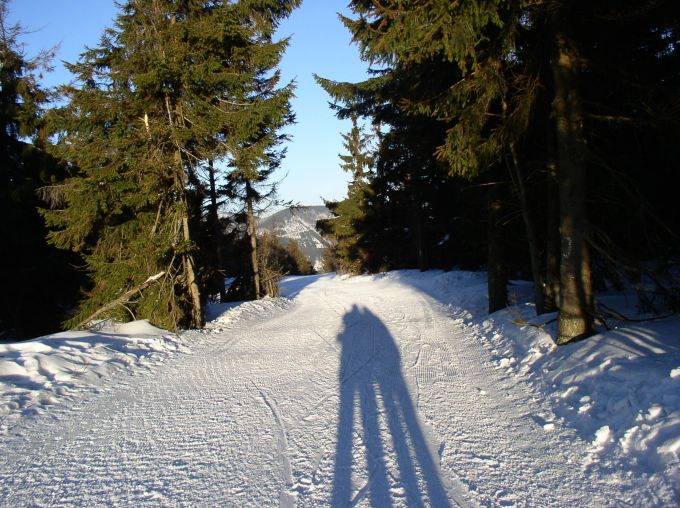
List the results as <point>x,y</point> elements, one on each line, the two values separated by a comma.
<point>299,224</point>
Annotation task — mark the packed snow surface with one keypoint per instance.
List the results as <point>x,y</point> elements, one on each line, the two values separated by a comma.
<point>388,390</point>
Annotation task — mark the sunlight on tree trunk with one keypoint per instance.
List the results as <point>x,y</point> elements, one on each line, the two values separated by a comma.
<point>253,241</point>
<point>576,298</point>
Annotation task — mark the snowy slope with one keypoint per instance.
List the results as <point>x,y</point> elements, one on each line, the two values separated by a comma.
<point>299,224</point>
<point>36,374</point>
<point>390,390</point>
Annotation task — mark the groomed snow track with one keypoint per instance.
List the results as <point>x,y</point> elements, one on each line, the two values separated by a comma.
<point>354,392</point>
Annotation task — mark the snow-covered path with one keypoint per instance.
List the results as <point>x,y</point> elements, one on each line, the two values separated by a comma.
<point>355,392</point>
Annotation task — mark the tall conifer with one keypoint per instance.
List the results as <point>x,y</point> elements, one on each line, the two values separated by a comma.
<point>529,85</point>
<point>165,91</point>
<point>344,229</point>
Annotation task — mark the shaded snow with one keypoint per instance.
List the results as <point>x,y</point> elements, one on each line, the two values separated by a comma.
<point>620,389</point>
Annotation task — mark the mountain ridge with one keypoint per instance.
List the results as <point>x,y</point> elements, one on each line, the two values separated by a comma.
<point>299,223</point>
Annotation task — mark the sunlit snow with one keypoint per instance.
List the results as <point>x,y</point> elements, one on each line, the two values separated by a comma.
<point>388,390</point>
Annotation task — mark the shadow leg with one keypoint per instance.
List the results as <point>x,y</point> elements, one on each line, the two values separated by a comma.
<point>342,482</point>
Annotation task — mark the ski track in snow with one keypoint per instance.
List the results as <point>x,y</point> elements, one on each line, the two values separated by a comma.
<point>357,392</point>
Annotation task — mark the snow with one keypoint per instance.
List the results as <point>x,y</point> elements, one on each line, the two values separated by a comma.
<point>38,373</point>
<point>388,390</point>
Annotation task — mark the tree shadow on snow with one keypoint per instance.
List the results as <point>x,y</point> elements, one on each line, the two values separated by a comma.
<point>370,374</point>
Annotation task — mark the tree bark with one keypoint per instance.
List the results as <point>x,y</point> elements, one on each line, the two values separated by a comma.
<point>421,254</point>
<point>253,241</point>
<point>217,233</point>
<point>194,291</point>
<point>187,258</point>
<point>576,298</point>
<point>497,274</point>
<point>530,230</point>
<point>552,247</point>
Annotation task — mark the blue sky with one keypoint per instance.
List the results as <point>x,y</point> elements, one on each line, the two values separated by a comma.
<point>320,44</point>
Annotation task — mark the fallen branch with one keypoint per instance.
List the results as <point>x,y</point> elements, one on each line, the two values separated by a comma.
<point>122,299</point>
<point>612,313</point>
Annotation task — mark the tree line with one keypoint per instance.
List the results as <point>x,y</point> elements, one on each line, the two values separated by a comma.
<point>537,139</point>
<point>112,184</point>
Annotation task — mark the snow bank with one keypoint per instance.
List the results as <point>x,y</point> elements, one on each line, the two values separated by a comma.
<point>620,389</point>
<point>221,315</point>
<point>623,380</point>
<point>37,373</point>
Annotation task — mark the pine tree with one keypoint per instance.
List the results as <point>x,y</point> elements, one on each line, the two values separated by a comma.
<point>358,159</point>
<point>253,163</point>
<point>343,230</point>
<point>166,91</point>
<point>536,70</point>
<point>627,79</point>
<point>255,153</point>
<point>408,216</point>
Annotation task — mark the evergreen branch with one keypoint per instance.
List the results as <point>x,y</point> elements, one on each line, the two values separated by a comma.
<point>235,103</point>
<point>121,299</point>
<point>54,195</point>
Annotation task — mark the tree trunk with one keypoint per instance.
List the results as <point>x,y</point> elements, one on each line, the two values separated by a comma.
<point>552,248</point>
<point>576,298</point>
<point>417,208</point>
<point>530,231</point>
<point>196,307</point>
<point>217,233</point>
<point>497,274</point>
<point>253,241</point>
<point>181,178</point>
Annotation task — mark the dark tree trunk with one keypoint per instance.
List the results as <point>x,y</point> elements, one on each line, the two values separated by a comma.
<point>497,278</point>
<point>257,294</point>
<point>421,254</point>
<point>217,233</point>
<point>530,229</point>
<point>182,177</point>
<point>552,247</point>
<point>576,298</point>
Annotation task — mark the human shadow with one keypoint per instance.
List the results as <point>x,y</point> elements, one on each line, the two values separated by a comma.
<point>370,374</point>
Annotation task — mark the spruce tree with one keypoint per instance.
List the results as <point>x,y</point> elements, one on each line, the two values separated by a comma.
<point>253,163</point>
<point>253,150</point>
<point>343,230</point>
<point>529,85</point>
<point>408,216</point>
<point>488,101</point>
<point>164,92</point>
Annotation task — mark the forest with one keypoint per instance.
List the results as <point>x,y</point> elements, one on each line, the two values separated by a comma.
<point>532,139</point>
